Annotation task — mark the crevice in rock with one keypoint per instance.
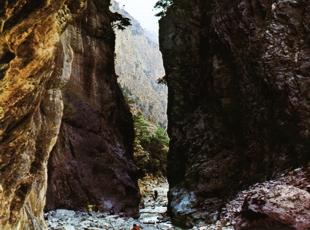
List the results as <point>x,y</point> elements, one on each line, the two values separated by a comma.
<point>18,201</point>
<point>17,124</point>
<point>6,57</point>
<point>22,12</point>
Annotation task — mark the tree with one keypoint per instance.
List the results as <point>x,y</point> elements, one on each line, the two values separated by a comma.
<point>119,21</point>
<point>162,6</point>
<point>150,147</point>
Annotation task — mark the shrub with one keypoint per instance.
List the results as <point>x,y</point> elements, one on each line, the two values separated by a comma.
<point>150,147</point>
<point>162,6</point>
<point>151,142</point>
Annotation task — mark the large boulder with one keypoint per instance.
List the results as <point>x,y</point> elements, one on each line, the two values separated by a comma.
<point>279,207</point>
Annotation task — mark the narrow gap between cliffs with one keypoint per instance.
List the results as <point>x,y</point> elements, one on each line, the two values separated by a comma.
<point>141,77</point>
<point>140,70</point>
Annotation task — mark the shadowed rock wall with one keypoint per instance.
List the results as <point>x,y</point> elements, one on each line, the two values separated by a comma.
<point>238,79</point>
<point>91,163</point>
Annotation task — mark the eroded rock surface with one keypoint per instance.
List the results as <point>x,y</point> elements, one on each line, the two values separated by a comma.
<point>238,79</point>
<point>139,65</point>
<point>280,204</point>
<point>91,163</point>
<point>278,207</point>
<point>31,104</point>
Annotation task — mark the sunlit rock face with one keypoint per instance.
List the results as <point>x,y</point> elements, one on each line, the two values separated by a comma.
<point>139,65</point>
<point>91,164</point>
<point>31,105</point>
<point>238,111</point>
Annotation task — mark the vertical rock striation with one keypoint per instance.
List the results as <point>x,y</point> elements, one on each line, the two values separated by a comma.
<point>31,104</point>
<point>91,163</point>
<point>238,79</point>
<point>139,65</point>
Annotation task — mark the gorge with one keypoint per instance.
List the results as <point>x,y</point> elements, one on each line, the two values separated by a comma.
<point>238,113</point>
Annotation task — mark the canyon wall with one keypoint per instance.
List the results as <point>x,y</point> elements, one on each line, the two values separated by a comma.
<point>139,65</point>
<point>31,104</point>
<point>238,111</point>
<point>91,164</point>
<point>58,92</point>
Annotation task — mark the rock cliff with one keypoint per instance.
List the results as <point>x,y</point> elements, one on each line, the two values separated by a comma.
<point>239,102</point>
<point>30,104</point>
<point>238,79</point>
<point>139,65</point>
<point>91,164</point>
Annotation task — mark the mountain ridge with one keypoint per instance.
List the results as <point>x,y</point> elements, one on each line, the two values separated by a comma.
<point>139,65</point>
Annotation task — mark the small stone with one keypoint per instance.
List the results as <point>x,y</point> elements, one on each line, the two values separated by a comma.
<point>67,227</point>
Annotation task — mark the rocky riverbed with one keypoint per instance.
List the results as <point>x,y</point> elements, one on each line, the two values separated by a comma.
<point>152,214</point>
<point>288,193</point>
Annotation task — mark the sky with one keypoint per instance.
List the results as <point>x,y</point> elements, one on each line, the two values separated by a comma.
<point>142,10</point>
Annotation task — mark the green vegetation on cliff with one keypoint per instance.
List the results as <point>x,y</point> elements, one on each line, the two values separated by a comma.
<point>150,147</point>
<point>162,6</point>
<point>151,142</point>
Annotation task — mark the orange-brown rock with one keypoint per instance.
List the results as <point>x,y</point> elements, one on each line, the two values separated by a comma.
<point>30,104</point>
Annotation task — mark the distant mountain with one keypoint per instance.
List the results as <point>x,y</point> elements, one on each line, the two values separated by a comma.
<point>152,35</point>
<point>139,65</point>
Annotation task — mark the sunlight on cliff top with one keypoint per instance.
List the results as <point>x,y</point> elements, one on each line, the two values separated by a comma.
<point>143,11</point>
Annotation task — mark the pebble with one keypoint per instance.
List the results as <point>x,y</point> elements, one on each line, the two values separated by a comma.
<point>152,216</point>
